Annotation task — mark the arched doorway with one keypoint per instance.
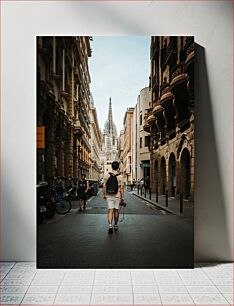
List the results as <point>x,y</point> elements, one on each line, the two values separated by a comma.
<point>185,173</point>
<point>172,175</point>
<point>163,176</point>
<point>156,175</point>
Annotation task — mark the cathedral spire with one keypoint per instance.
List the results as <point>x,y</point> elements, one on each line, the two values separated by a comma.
<point>110,117</point>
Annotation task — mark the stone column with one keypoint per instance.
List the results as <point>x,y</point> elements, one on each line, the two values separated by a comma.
<point>50,153</point>
<point>60,160</point>
<point>192,173</point>
<point>178,178</point>
<point>75,159</point>
<point>69,154</point>
<point>70,105</point>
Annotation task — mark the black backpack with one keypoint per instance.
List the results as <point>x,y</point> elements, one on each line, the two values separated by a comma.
<point>112,185</point>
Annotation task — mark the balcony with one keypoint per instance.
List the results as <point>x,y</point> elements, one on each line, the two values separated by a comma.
<point>178,75</point>
<point>86,143</point>
<point>84,122</point>
<point>184,125</point>
<point>171,134</point>
<point>78,131</point>
<point>146,127</point>
<point>166,94</point>
<point>188,42</point>
<point>157,110</point>
<point>190,52</point>
<point>151,118</point>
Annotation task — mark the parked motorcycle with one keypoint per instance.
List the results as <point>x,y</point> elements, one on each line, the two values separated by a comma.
<point>45,208</point>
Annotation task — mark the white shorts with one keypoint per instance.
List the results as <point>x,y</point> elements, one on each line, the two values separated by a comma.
<point>113,203</point>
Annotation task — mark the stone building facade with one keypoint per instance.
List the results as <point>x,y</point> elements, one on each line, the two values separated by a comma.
<point>96,144</point>
<point>121,150</point>
<point>170,117</point>
<point>63,106</point>
<point>140,139</point>
<point>127,151</point>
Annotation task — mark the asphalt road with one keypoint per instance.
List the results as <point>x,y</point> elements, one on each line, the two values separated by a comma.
<point>147,238</point>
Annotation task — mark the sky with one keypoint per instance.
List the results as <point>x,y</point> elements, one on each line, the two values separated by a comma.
<point>119,68</point>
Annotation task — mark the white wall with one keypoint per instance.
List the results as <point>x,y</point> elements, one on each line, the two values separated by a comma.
<point>210,22</point>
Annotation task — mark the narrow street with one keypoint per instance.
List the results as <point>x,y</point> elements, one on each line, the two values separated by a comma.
<point>147,237</point>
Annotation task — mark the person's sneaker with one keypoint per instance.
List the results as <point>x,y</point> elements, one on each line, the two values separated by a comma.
<point>80,209</point>
<point>110,230</point>
<point>116,227</point>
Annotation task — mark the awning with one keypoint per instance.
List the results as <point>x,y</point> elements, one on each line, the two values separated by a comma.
<point>145,165</point>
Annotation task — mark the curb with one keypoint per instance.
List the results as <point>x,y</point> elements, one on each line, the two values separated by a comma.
<point>156,205</point>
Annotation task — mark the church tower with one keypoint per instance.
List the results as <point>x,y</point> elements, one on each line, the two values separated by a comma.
<point>110,141</point>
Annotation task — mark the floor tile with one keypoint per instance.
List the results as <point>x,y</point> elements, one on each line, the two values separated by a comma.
<point>3,275</point>
<point>77,281</point>
<point>143,282</point>
<point>19,276</point>
<point>197,277</point>
<point>142,274</point>
<point>209,299</point>
<point>225,289</point>
<point>13,289</point>
<point>26,264</point>
<point>110,277</point>
<point>49,277</point>
<point>147,299</point>
<point>174,279</point>
<point>4,270</point>
<point>176,299</point>
<point>82,270</point>
<point>202,289</point>
<point>16,282</point>
<point>111,299</point>
<point>11,299</point>
<point>197,282</point>
<point>78,277</point>
<point>220,276</point>
<point>114,273</point>
<point>72,299</point>
<point>169,282</point>
<point>65,289</point>
<point>164,289</point>
<point>44,282</point>
<point>39,299</point>
<point>145,289</point>
<point>5,264</point>
<point>229,298</point>
<point>222,282</point>
<point>113,282</point>
<point>111,289</point>
<point>43,289</point>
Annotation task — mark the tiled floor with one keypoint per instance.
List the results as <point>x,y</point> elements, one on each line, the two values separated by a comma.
<point>207,284</point>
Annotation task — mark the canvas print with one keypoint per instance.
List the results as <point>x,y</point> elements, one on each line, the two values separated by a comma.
<point>115,152</point>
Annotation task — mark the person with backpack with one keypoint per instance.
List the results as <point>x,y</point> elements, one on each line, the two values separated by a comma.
<point>113,192</point>
<point>83,187</point>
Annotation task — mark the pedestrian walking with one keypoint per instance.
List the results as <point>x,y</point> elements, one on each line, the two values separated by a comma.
<point>134,183</point>
<point>147,183</point>
<point>83,186</point>
<point>59,185</point>
<point>113,192</point>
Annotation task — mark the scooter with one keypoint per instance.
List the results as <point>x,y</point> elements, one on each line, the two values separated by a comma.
<point>71,193</point>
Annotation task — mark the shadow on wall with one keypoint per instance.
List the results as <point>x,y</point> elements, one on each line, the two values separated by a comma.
<point>210,223</point>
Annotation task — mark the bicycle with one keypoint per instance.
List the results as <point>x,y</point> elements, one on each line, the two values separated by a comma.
<point>62,204</point>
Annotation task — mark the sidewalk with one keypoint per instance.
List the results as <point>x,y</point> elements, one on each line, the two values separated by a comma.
<point>173,204</point>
